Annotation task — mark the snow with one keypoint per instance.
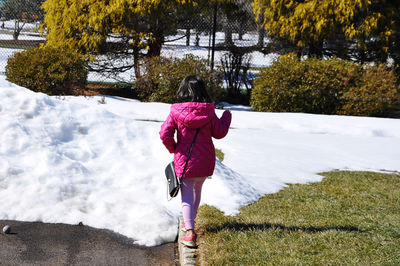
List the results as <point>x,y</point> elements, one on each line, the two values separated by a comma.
<point>74,159</point>
<point>258,59</point>
<point>173,49</point>
<point>248,39</point>
<point>23,37</point>
<point>10,25</point>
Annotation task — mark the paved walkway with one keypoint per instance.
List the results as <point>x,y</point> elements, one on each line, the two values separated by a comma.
<point>61,244</point>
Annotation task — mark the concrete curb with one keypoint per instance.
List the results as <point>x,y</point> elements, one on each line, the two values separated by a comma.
<point>187,256</point>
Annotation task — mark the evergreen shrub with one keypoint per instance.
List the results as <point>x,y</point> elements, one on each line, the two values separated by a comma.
<point>162,78</point>
<point>54,71</point>
<point>375,94</point>
<point>331,86</point>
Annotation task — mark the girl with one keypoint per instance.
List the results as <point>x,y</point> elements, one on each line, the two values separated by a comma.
<point>194,110</point>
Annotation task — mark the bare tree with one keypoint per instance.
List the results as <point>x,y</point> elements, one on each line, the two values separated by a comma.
<point>22,11</point>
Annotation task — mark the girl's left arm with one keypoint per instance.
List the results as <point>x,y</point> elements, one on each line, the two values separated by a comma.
<point>167,133</point>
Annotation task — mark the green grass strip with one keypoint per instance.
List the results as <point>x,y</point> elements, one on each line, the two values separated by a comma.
<point>107,83</point>
<point>219,154</point>
<point>348,218</point>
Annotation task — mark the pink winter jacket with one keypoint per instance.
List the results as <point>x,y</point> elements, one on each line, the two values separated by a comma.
<point>185,118</point>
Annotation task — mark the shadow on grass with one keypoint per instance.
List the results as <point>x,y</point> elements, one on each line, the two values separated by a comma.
<point>268,226</point>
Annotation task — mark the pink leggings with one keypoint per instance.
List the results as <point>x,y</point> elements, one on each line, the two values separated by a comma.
<point>191,195</point>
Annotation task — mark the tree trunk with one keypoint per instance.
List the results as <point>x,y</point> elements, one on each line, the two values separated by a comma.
<point>228,35</point>
<point>394,51</point>
<point>241,31</point>
<point>158,39</point>
<point>315,49</point>
<point>261,35</point>
<point>188,36</point>
<point>155,48</point>
<point>16,30</point>
<point>261,31</point>
<point>197,39</point>
<point>136,65</point>
<point>214,30</point>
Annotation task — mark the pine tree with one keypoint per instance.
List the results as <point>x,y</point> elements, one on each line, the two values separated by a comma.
<point>368,25</point>
<point>117,28</point>
<point>84,24</point>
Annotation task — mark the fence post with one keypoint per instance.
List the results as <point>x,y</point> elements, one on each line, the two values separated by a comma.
<point>214,29</point>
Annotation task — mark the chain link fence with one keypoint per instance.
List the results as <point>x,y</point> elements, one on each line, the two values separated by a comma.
<point>19,27</point>
<point>227,37</point>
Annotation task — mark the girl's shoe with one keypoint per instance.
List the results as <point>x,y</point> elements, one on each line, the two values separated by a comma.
<point>189,241</point>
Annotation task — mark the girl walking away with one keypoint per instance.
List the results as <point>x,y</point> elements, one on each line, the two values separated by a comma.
<point>195,110</point>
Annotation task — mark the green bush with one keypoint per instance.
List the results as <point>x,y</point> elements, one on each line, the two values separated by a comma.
<point>163,77</point>
<point>331,86</point>
<point>374,95</point>
<point>312,86</point>
<point>49,70</point>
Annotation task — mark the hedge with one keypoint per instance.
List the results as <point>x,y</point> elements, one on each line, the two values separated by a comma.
<point>319,86</point>
<point>49,70</point>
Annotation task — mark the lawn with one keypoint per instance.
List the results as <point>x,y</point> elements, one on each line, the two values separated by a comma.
<point>348,218</point>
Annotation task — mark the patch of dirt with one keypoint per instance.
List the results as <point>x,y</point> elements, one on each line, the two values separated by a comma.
<point>21,43</point>
<point>104,89</point>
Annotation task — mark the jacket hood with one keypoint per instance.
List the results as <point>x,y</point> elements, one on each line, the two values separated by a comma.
<point>193,114</point>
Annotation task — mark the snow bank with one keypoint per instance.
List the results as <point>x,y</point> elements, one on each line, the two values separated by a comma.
<point>73,159</point>
<point>66,162</point>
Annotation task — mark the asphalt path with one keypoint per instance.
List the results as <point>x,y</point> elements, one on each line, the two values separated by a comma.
<point>36,243</point>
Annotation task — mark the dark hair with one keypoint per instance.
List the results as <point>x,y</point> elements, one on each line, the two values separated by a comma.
<point>193,89</point>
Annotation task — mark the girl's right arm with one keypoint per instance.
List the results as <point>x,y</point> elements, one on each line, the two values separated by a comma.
<point>167,133</point>
<point>221,125</point>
